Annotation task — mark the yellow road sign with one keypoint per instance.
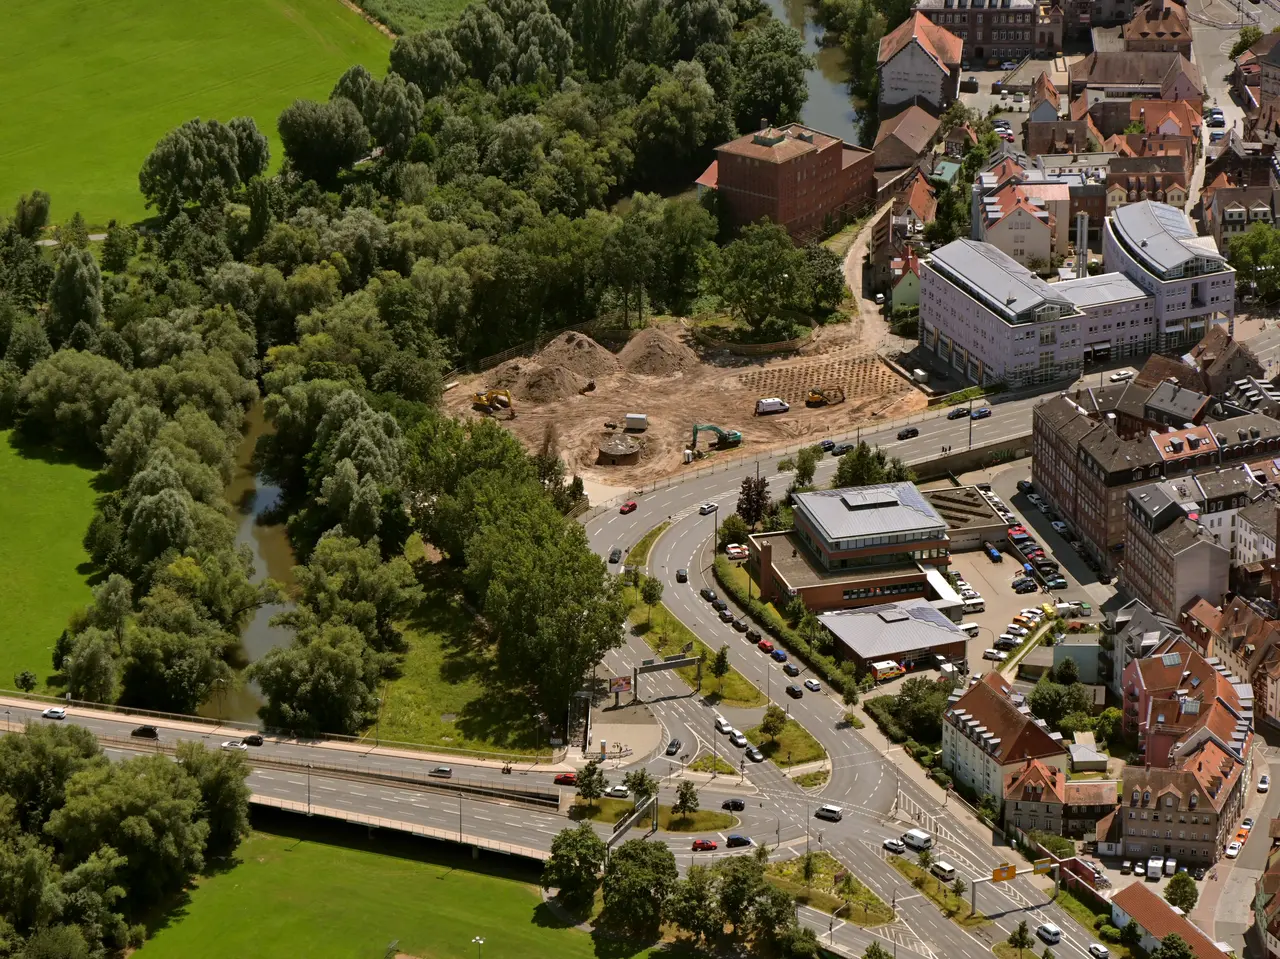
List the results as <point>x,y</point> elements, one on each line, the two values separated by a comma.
<point>1043,866</point>
<point>1003,872</point>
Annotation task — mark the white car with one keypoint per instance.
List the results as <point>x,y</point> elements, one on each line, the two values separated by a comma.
<point>617,792</point>
<point>1121,376</point>
<point>970,594</point>
<point>738,739</point>
<point>1034,499</point>
<point>1033,614</point>
<point>1099,951</point>
<point>235,744</point>
<point>723,725</point>
<point>813,685</point>
<point>1264,784</point>
<point>706,508</point>
<point>1139,868</point>
<point>735,551</point>
<point>1016,630</point>
<point>896,846</point>
<point>1042,507</point>
<point>54,712</point>
<point>1233,850</point>
<point>1059,526</point>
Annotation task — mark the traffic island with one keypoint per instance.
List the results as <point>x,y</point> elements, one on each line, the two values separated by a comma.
<point>954,906</point>
<point>789,745</point>
<point>612,810</point>
<point>820,882</point>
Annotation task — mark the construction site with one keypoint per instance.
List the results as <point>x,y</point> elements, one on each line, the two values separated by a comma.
<point>625,418</point>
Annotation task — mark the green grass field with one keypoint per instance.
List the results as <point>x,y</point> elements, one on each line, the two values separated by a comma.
<point>794,746</point>
<point>45,507</point>
<point>87,87</point>
<point>290,896</point>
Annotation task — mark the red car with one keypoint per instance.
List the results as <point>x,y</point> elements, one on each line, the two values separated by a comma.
<point>567,779</point>
<point>765,645</point>
<point>628,507</point>
<point>703,845</point>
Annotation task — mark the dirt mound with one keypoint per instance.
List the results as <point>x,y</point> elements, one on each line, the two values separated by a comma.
<point>653,353</point>
<point>533,382</point>
<point>578,354</point>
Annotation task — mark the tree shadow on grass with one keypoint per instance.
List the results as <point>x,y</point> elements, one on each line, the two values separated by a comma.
<point>30,449</point>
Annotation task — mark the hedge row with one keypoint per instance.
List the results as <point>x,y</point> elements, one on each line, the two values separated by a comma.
<point>880,709</point>
<point>826,666</point>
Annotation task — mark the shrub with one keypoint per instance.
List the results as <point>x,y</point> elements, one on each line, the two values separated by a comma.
<point>1109,933</point>
<point>941,777</point>
<point>879,710</point>
<point>911,746</point>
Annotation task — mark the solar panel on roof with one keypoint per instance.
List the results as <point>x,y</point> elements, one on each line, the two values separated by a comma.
<point>1171,659</point>
<point>1195,682</point>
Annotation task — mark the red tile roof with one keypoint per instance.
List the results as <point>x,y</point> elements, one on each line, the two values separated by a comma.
<point>710,176</point>
<point>1044,90</point>
<point>987,703</point>
<point>943,46</point>
<point>779,144</point>
<point>1158,918</point>
<point>1036,782</point>
<point>920,196</point>
<point>914,127</point>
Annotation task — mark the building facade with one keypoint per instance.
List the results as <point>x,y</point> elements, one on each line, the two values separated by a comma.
<point>999,29</point>
<point>919,65</point>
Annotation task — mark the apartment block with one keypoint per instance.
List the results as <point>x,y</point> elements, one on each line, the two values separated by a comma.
<point>999,29</point>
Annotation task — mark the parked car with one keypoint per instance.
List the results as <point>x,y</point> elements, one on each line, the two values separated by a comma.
<point>1233,850</point>
<point>765,645</point>
<point>567,779</point>
<point>981,413</point>
<point>734,805</point>
<point>726,616</point>
<point>958,413</point>
<point>146,732</point>
<point>1009,65</point>
<point>682,576</point>
<point>1025,588</point>
<point>706,508</point>
<point>719,605</point>
<point>791,669</point>
<point>1139,868</point>
<point>753,634</point>
<point>441,772</point>
<point>740,625</point>
<point>780,655</point>
<point>1217,135</point>
<point>1126,867</point>
<point>708,594</point>
<point>1015,630</point>
<point>1198,873</point>
<point>673,747</point>
<point>1025,486</point>
<point>813,685</point>
<point>704,845</point>
<point>755,755</point>
<point>735,840</point>
<point>1121,375</point>
<point>1264,784</point>
<point>1099,951</point>
<point>795,692</point>
<point>1104,579</point>
<point>907,433</point>
<point>615,555</point>
<point>628,507</point>
<point>1059,526</point>
<point>735,551</point>
<point>1246,823</point>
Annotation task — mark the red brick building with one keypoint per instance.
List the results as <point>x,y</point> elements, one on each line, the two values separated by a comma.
<point>795,176</point>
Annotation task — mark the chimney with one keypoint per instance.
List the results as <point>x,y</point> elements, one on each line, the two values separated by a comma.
<point>764,124</point>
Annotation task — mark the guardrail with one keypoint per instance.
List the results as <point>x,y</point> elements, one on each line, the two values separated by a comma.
<point>399,825</point>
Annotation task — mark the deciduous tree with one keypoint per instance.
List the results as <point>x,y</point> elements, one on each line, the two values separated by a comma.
<point>720,665</point>
<point>322,139</point>
<point>1181,892</point>
<point>224,795</point>
<point>774,721</point>
<point>591,782</point>
<point>575,864</point>
<point>638,880</point>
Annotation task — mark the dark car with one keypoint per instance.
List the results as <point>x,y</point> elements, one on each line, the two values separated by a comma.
<point>909,433</point>
<point>1025,588</point>
<point>733,805</point>
<point>753,634</point>
<point>980,414</point>
<point>146,732</point>
<point>708,594</point>
<point>615,555</point>
<point>719,605</point>
<point>827,445</point>
<point>253,739</point>
<point>726,616</point>
<point>1198,872</point>
<point>740,625</point>
<point>736,840</point>
<point>441,772</point>
<point>795,692</point>
<point>682,576</point>
<point>1024,486</point>
<point>958,413</point>
<point>780,655</point>
<point>1104,579</point>
<point>791,669</point>
<point>673,747</point>
<point>841,449</point>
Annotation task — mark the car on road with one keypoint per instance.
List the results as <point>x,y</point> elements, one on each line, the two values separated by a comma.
<point>1233,850</point>
<point>827,445</point>
<point>628,507</point>
<point>1217,136</point>
<point>682,576</point>
<point>1005,135</point>
<point>959,413</point>
<point>753,635</point>
<point>791,669</point>
<point>795,692</point>
<point>1264,784</point>
<point>740,625</point>
<point>735,840</point>
<point>755,755</point>
<point>704,845</point>
<point>1059,526</point>
<point>841,449</point>
<point>1121,375</point>
<point>567,779</point>
<point>673,747</point>
<point>235,744</point>
<point>54,712</point>
<point>896,846</point>
<point>726,615</point>
<point>1217,120</point>
<point>981,413</point>
<point>708,594</point>
<point>441,772</point>
<point>146,732</point>
<point>723,725</point>
<point>253,739</point>
<point>617,792</point>
<point>813,685</point>
<point>734,805</point>
<point>1025,486</point>
<point>829,812</point>
<point>706,508</point>
<point>1049,933</point>
<point>615,555</point>
<point>765,645</point>
<point>908,433</point>
<point>1099,951</point>
<point>780,655</point>
<point>738,739</point>
<point>719,605</point>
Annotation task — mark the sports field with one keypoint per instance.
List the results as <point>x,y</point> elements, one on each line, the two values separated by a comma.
<point>87,87</point>
<point>297,897</point>
<point>45,507</point>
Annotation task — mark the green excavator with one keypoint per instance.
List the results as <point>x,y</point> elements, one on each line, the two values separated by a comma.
<point>724,438</point>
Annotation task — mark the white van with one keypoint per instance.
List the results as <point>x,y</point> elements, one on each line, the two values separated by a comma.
<point>1170,866</point>
<point>943,870</point>
<point>771,404</point>
<point>1155,866</point>
<point>971,629</point>
<point>917,839</point>
<point>972,606</point>
<point>831,813</point>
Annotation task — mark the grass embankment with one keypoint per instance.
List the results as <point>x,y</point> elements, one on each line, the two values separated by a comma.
<point>709,764</point>
<point>611,810</point>
<point>80,117</point>
<point>449,692</point>
<point>639,555</point>
<point>794,746</point>
<point>863,908</point>
<point>666,636</point>
<point>279,897</point>
<point>46,503</point>
<point>955,908</point>
<point>813,779</point>
<point>1084,914</point>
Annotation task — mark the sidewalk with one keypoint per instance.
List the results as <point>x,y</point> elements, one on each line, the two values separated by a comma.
<point>1225,909</point>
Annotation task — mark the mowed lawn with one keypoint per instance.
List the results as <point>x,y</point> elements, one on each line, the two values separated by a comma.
<point>297,897</point>
<point>87,87</point>
<point>45,509</point>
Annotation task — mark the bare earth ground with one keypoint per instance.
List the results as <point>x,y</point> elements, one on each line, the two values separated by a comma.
<point>665,374</point>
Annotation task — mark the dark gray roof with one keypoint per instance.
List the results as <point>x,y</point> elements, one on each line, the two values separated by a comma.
<point>1114,454</point>
<point>1162,235</point>
<point>1261,514</point>
<point>1182,534</point>
<point>1229,482</point>
<point>869,511</point>
<point>1177,401</point>
<point>1152,500</point>
<point>881,632</point>
<point>1229,431</point>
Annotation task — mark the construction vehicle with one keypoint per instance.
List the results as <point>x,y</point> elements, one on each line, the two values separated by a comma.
<point>490,401</point>
<point>724,438</point>
<point>828,397</point>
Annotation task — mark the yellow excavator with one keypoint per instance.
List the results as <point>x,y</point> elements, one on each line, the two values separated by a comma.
<point>828,397</point>
<point>490,401</point>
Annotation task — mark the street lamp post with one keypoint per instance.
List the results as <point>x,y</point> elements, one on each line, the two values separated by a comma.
<point>970,424</point>
<point>479,945</point>
<point>308,789</point>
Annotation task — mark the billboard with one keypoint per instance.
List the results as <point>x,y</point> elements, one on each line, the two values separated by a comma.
<point>620,684</point>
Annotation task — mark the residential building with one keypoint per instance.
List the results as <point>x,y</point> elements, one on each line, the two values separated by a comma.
<point>902,225</point>
<point>1266,908</point>
<point>1246,78</point>
<point>1061,136</point>
<point>1162,178</point>
<point>1237,635</point>
<point>904,291</point>
<point>919,65</point>
<point>1160,369</point>
<point>987,737</point>
<point>1223,360</point>
<point>1010,29</point>
<point>1269,65</point>
<point>1063,193</point>
<point>1228,211</point>
<point>1170,558</point>
<point>904,137</point>
<point>1156,246</point>
<point>1040,797</point>
<point>1256,532</point>
<point>1114,115</point>
<point>1161,26</point>
<point>1157,920</point>
<point>852,547</point>
<point>960,140</point>
<point>911,632</point>
<point>1045,104</point>
<point>1255,395</point>
<point>1160,76</point>
<point>1018,225</point>
<point>801,178</point>
<point>1132,632</point>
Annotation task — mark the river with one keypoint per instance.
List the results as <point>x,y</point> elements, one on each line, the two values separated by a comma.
<point>828,108</point>
<point>250,498</point>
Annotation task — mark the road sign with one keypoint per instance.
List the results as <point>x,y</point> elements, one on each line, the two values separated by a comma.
<point>1043,866</point>
<point>1003,872</point>
<point>620,684</point>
